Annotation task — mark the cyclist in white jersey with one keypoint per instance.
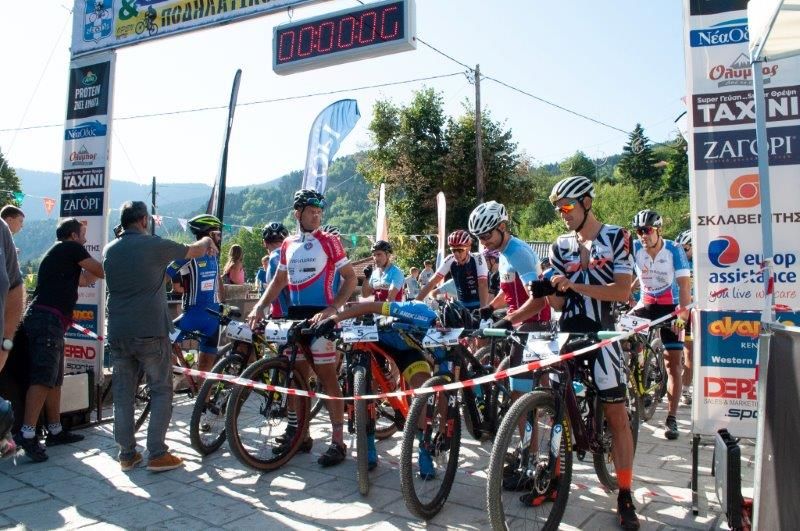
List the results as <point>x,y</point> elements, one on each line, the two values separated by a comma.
<point>684,239</point>
<point>592,269</point>
<point>661,265</point>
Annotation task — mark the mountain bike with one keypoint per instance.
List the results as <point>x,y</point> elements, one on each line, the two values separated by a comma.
<point>207,423</point>
<point>433,427</point>
<point>535,440</point>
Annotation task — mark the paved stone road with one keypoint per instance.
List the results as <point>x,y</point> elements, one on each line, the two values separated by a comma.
<point>82,486</point>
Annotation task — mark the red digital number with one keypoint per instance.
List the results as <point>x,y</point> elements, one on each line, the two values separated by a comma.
<point>395,24</point>
<point>282,55</point>
<point>331,29</point>
<point>300,52</point>
<point>365,24</point>
<point>343,32</point>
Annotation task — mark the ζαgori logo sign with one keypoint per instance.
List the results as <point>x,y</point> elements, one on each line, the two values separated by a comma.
<point>85,130</point>
<point>739,72</point>
<point>732,31</point>
<point>97,18</point>
<point>744,192</point>
<point>738,107</point>
<point>82,179</point>
<point>86,316</point>
<point>82,157</point>
<point>712,7</point>
<point>81,204</point>
<point>718,150</point>
<point>88,91</point>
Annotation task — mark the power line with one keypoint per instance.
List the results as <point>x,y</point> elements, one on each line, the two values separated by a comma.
<point>256,102</point>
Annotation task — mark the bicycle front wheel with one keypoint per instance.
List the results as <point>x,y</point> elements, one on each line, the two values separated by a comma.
<point>427,485</point>
<point>524,489</point>
<point>207,425</point>
<point>256,421</point>
<point>361,425</point>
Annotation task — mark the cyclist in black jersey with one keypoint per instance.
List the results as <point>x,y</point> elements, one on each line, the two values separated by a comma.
<point>468,271</point>
<point>592,269</point>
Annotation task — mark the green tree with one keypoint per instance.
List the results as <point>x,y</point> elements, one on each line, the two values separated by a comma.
<point>578,164</point>
<point>676,172</point>
<point>638,163</point>
<point>8,181</point>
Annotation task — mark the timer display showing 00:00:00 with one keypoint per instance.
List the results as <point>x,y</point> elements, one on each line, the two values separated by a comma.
<point>342,33</point>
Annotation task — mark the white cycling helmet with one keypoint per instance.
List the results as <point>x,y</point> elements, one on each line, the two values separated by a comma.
<point>486,217</point>
<point>333,230</point>
<point>684,238</point>
<point>572,188</point>
<point>646,218</point>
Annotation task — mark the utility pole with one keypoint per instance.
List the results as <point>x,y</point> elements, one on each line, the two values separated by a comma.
<point>478,137</point>
<point>153,207</point>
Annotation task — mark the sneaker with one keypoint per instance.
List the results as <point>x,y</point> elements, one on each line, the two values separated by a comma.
<point>626,511</point>
<point>34,449</point>
<point>130,464</point>
<point>533,499</point>
<point>517,480</point>
<point>334,455</point>
<point>164,463</point>
<point>63,437</point>
<point>372,452</point>
<point>426,469</point>
<point>671,431</point>
<point>284,443</point>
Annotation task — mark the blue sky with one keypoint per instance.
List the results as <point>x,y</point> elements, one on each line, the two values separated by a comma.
<point>620,62</point>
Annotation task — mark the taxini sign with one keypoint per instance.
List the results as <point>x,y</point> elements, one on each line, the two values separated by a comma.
<point>734,108</point>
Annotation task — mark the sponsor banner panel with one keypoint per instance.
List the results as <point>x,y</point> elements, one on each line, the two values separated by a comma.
<point>88,90</point>
<point>82,356</point>
<point>81,204</point>
<point>699,8</point>
<point>727,68</point>
<point>84,178</point>
<point>106,24</point>
<point>95,235</point>
<point>738,107</point>
<point>80,129</point>
<point>724,148</point>
<point>85,153</point>
<point>86,316</point>
<point>731,338</point>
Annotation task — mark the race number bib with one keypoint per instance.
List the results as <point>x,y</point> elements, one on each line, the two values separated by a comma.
<point>239,331</point>
<point>277,332</point>
<point>629,322</point>
<point>353,332</point>
<point>438,338</point>
<point>538,349</point>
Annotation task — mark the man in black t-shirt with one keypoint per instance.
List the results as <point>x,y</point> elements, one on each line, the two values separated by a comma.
<point>65,266</point>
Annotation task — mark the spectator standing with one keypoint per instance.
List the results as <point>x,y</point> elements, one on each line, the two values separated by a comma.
<point>412,283</point>
<point>138,330</point>
<point>385,282</point>
<point>12,301</point>
<point>233,273</point>
<point>14,218</point>
<point>65,266</point>
<point>261,275</point>
<point>427,273</point>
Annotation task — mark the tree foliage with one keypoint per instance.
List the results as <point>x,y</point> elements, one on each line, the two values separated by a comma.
<point>9,182</point>
<point>638,163</point>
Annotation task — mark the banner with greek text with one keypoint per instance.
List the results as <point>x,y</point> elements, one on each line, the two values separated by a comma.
<point>84,195</point>
<point>107,24</point>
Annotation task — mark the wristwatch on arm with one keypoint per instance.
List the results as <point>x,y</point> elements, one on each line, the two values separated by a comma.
<point>8,344</point>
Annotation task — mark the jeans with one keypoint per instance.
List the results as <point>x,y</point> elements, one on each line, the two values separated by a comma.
<point>153,356</point>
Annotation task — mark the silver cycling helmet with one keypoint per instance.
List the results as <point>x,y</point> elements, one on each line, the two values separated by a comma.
<point>486,216</point>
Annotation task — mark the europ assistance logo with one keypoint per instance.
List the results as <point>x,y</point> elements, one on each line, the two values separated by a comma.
<point>724,251</point>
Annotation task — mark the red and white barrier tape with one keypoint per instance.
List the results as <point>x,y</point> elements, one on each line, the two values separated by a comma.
<point>499,375</point>
<point>87,332</point>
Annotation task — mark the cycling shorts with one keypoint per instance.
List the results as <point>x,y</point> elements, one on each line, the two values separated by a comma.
<point>197,319</point>
<point>608,372</point>
<point>654,311</point>
<point>524,382</point>
<point>409,361</point>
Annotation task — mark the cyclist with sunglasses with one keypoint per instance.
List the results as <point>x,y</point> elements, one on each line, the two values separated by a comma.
<point>308,262</point>
<point>468,270</point>
<point>661,266</point>
<point>272,237</point>
<point>386,280</point>
<point>592,269</point>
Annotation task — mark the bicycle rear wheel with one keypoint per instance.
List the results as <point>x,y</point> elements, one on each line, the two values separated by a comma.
<point>521,492</point>
<point>361,426</point>
<point>429,459</point>
<point>255,418</point>
<point>207,425</point>
<point>653,375</point>
<point>603,462</point>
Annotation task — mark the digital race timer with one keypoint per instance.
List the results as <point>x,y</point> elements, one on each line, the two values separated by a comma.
<point>348,35</point>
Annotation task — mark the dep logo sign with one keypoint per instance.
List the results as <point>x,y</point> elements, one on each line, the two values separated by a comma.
<point>81,204</point>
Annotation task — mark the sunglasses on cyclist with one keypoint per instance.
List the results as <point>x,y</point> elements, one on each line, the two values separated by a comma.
<point>486,235</point>
<point>314,202</point>
<point>458,250</point>
<point>566,208</point>
<point>641,231</point>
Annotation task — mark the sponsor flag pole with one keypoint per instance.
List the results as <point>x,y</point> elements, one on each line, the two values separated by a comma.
<point>441,213</point>
<point>381,226</point>
<point>331,126</point>
<point>216,203</point>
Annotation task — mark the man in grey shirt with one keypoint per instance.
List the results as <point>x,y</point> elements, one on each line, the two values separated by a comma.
<point>138,331</point>
<point>427,273</point>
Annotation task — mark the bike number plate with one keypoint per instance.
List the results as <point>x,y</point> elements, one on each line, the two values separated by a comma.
<point>239,331</point>
<point>438,338</point>
<point>628,322</point>
<point>539,349</point>
<point>277,332</point>
<point>359,333</point>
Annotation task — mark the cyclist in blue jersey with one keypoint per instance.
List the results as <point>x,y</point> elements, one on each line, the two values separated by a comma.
<point>684,239</point>
<point>468,271</point>
<point>661,265</point>
<point>199,281</point>
<point>385,281</point>
<point>307,265</point>
<point>272,236</point>
<point>410,361</point>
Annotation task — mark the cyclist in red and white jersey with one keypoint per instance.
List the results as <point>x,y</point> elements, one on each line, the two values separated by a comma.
<point>468,270</point>
<point>308,262</point>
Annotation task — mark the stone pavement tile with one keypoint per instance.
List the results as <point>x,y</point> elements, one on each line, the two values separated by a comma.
<point>23,496</point>
<point>49,514</point>
<point>103,526</point>
<point>463,517</point>
<point>8,483</point>
<point>677,516</point>
<point>182,522</point>
<point>116,501</point>
<point>142,515</point>
<point>377,498</point>
<point>334,490</point>
<point>216,510</point>
<point>270,520</point>
<point>397,522</point>
<point>321,510</point>
<point>78,490</point>
<point>159,491</point>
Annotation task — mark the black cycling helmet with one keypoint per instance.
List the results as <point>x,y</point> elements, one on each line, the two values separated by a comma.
<point>274,231</point>
<point>382,245</point>
<point>204,223</point>
<point>456,315</point>
<point>646,218</point>
<point>307,197</point>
